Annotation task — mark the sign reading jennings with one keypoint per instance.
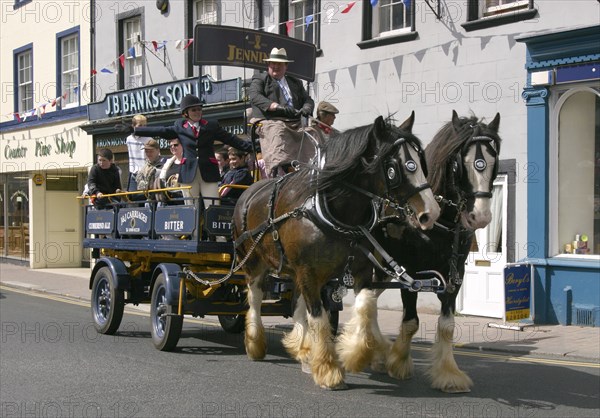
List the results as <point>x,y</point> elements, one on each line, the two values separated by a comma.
<point>165,96</point>
<point>239,47</point>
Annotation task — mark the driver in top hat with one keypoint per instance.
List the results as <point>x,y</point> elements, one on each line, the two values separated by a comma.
<point>280,100</point>
<point>199,168</point>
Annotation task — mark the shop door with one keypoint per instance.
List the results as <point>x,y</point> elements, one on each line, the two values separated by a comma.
<point>63,229</point>
<point>482,291</point>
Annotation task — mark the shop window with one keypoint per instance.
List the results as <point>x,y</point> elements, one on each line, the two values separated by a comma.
<point>68,70</point>
<point>483,14</point>
<point>579,175</point>
<point>388,22</point>
<point>24,79</point>
<point>17,204</point>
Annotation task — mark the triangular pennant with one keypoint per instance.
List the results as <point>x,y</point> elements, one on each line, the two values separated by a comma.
<point>373,3</point>
<point>348,7</point>
<point>122,60</point>
<point>289,26</point>
<point>84,87</point>
<point>178,44</point>
<point>155,45</point>
<point>18,117</point>
<point>76,90</point>
<point>94,72</point>
<point>64,96</point>
<point>271,28</point>
<point>307,21</point>
<point>189,42</point>
<point>132,52</point>
<point>106,70</point>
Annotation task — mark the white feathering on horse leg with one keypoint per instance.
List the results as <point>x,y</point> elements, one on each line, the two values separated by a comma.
<point>254,339</point>
<point>400,363</point>
<point>295,341</point>
<point>356,343</point>
<point>444,372</point>
<point>326,369</point>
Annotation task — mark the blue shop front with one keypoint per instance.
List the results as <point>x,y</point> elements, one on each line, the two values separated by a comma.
<point>563,191</point>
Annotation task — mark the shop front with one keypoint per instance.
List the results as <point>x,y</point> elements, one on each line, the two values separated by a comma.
<point>160,104</point>
<point>42,173</point>
<point>563,118</point>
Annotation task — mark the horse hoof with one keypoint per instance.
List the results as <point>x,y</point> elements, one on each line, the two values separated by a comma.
<point>306,368</point>
<point>455,390</point>
<point>340,386</point>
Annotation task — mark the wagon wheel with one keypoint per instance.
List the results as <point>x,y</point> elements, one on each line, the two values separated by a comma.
<point>233,324</point>
<point>108,303</point>
<point>165,323</point>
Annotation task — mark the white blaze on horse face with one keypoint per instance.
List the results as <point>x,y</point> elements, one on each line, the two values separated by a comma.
<point>423,203</point>
<point>481,214</point>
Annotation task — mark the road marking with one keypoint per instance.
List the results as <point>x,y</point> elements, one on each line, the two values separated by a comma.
<point>458,352</point>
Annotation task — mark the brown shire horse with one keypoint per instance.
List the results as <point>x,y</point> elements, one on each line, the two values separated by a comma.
<point>463,163</point>
<point>312,217</point>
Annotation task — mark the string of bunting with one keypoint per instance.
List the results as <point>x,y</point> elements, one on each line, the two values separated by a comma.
<point>180,45</point>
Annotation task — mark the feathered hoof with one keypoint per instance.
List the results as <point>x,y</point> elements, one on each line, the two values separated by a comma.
<point>455,383</point>
<point>378,366</point>
<point>256,350</point>
<point>306,367</point>
<point>341,386</point>
<point>400,369</point>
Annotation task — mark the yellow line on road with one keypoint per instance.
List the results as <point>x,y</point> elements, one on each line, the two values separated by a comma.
<point>458,352</point>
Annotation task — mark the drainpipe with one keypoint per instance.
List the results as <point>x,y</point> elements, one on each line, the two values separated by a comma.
<point>93,48</point>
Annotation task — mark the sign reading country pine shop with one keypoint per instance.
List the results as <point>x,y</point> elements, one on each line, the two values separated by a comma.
<point>240,47</point>
<point>517,291</point>
<point>165,96</point>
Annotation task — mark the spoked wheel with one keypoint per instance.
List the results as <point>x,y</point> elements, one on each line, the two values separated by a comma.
<point>166,324</point>
<point>108,303</point>
<point>234,324</point>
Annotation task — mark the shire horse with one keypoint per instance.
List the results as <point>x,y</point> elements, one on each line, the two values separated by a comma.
<point>313,217</point>
<point>463,163</point>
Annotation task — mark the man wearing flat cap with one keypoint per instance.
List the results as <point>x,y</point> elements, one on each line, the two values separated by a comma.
<point>326,114</point>
<point>281,100</point>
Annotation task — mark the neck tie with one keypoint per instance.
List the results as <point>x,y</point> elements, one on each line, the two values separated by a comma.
<point>195,130</point>
<point>286,94</point>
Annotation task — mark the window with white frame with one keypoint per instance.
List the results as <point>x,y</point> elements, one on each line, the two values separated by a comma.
<point>69,70</point>
<point>302,14</point>
<point>494,7</point>
<point>133,53</point>
<point>579,175</point>
<point>392,16</point>
<point>25,80</point>
<point>206,12</point>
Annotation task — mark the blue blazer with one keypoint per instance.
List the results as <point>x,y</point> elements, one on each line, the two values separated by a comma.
<point>198,149</point>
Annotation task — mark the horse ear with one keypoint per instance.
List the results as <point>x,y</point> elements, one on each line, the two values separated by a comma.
<point>380,126</point>
<point>407,125</point>
<point>495,124</point>
<point>456,121</point>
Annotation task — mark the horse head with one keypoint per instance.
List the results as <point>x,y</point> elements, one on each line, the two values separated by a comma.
<point>465,167</point>
<point>405,173</point>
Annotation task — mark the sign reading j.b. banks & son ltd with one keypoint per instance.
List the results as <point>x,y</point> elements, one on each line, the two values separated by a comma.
<point>165,96</point>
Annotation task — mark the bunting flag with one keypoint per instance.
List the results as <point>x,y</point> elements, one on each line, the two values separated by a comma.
<point>348,7</point>
<point>76,90</point>
<point>178,44</point>
<point>132,52</point>
<point>289,26</point>
<point>189,42</point>
<point>94,72</point>
<point>271,28</point>
<point>373,3</point>
<point>406,3</point>
<point>307,21</point>
<point>122,60</point>
<point>18,117</point>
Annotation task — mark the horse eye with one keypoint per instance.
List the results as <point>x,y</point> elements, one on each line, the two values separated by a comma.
<point>411,166</point>
<point>391,173</point>
<point>480,165</point>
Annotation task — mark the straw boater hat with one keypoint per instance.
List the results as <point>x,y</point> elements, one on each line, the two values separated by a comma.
<point>278,55</point>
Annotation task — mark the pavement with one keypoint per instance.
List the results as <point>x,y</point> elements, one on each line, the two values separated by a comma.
<point>471,332</point>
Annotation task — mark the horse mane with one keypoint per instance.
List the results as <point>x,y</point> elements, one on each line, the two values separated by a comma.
<point>446,142</point>
<point>348,154</point>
